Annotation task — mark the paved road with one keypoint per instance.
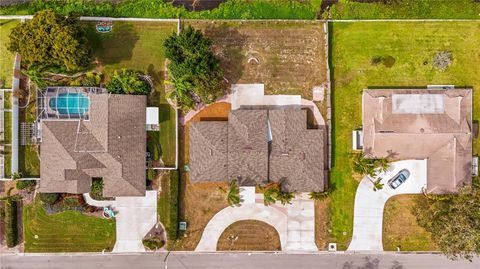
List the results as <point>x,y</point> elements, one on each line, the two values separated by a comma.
<point>237,261</point>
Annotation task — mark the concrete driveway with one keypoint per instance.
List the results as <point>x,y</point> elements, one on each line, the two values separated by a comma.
<point>294,223</point>
<point>369,205</point>
<point>135,216</point>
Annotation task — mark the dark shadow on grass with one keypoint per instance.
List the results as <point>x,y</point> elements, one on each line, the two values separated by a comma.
<point>113,47</point>
<point>332,93</point>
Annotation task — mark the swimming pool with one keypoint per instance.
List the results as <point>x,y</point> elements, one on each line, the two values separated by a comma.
<point>70,103</point>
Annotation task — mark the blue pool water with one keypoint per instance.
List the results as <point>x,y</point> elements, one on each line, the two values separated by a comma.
<point>70,103</point>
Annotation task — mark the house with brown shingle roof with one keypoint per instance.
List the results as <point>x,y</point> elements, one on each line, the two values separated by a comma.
<point>258,146</point>
<point>431,124</point>
<point>89,133</point>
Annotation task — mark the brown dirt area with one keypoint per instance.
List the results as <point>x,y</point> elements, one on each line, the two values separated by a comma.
<point>249,235</point>
<point>290,55</point>
<point>321,223</point>
<point>199,202</point>
<point>400,227</point>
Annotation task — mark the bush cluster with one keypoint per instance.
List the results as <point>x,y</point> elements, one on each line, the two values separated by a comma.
<point>11,232</point>
<point>233,9</point>
<point>26,184</point>
<point>172,231</point>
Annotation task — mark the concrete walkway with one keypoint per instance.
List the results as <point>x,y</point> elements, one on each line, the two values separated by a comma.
<point>294,223</point>
<point>134,216</point>
<point>369,205</point>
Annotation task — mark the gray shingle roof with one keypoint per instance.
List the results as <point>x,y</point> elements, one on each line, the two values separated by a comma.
<point>294,157</point>
<point>111,145</point>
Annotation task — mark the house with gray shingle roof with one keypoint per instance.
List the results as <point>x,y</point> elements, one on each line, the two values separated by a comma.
<point>89,133</point>
<point>259,146</point>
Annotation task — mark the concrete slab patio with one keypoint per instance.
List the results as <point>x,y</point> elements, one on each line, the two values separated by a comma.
<point>369,204</point>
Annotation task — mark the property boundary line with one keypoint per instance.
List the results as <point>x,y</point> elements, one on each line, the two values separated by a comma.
<point>88,18</point>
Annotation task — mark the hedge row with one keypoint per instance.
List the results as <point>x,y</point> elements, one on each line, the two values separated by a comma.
<point>172,231</point>
<point>232,9</point>
<point>11,232</point>
<point>406,9</point>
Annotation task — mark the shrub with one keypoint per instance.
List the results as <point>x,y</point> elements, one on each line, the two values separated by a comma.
<point>274,193</point>
<point>442,60</point>
<point>153,243</point>
<point>97,187</point>
<point>91,80</point>
<point>151,174</point>
<point>11,232</point>
<point>26,184</point>
<point>172,231</point>
<point>319,196</point>
<point>127,82</point>
<point>48,198</point>
<point>60,41</point>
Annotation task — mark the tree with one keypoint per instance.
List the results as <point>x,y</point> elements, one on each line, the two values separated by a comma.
<point>193,70</point>
<point>368,166</point>
<point>234,198</point>
<point>127,82</point>
<point>50,39</point>
<point>453,221</point>
<point>377,184</point>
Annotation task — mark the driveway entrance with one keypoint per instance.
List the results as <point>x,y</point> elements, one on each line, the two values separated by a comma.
<point>369,204</point>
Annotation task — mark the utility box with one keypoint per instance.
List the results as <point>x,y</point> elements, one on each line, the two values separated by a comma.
<point>182,226</point>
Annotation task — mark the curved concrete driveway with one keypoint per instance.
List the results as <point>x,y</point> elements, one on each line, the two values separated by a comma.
<point>368,212</point>
<point>230,215</point>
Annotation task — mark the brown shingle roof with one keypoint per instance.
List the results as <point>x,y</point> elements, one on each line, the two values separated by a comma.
<point>297,153</point>
<point>111,145</point>
<point>422,124</point>
<point>247,147</point>
<point>295,156</point>
<point>209,151</point>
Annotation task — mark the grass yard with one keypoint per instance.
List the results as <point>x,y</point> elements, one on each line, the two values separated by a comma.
<point>138,46</point>
<point>251,235</point>
<point>28,155</point>
<point>400,228</point>
<point>411,45</point>
<point>68,231</point>
<point>321,223</point>
<point>6,57</point>
<point>290,55</point>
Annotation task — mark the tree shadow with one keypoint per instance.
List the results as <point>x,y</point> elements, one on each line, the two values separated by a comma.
<point>115,46</point>
<point>228,46</point>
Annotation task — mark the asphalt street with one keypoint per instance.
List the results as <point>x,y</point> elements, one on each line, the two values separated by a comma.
<point>182,260</point>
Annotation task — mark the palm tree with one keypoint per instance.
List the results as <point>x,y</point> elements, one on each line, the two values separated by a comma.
<point>233,196</point>
<point>377,185</point>
<point>319,196</point>
<point>285,197</point>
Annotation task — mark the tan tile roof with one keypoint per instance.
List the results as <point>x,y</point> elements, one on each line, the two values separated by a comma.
<point>422,124</point>
<point>111,145</point>
<point>295,156</point>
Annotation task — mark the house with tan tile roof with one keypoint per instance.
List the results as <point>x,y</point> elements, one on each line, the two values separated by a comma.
<point>431,124</point>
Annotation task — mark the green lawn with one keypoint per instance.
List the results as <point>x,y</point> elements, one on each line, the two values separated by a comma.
<point>413,46</point>
<point>139,46</point>
<point>400,227</point>
<point>68,231</point>
<point>6,57</point>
